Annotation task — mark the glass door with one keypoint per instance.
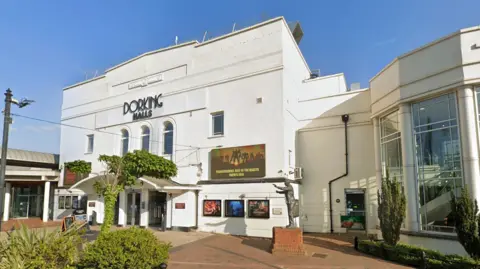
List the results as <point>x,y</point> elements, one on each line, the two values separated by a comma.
<point>133,208</point>
<point>20,206</point>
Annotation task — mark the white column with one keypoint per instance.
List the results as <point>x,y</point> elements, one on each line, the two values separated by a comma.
<point>46,199</point>
<point>6,208</point>
<point>144,208</point>
<point>469,142</point>
<point>378,154</point>
<point>122,209</point>
<point>408,159</point>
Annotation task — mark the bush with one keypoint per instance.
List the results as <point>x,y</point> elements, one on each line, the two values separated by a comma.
<point>391,209</point>
<point>130,248</point>
<point>467,221</point>
<point>412,256</point>
<point>24,248</point>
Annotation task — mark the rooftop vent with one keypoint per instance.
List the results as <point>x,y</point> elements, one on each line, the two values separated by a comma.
<point>315,73</point>
<point>355,86</point>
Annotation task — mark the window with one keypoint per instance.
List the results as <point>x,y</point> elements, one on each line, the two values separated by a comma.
<point>68,202</point>
<point>167,138</point>
<point>90,143</point>
<point>217,123</point>
<point>438,160</point>
<point>124,142</point>
<point>145,138</point>
<point>391,147</point>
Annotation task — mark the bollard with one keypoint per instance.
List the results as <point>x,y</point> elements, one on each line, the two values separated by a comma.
<point>355,243</point>
<point>163,265</point>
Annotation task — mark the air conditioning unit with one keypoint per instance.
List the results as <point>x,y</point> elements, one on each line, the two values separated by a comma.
<point>298,173</point>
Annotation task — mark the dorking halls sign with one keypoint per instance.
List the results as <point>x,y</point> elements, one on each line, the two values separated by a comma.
<point>238,162</point>
<point>142,108</point>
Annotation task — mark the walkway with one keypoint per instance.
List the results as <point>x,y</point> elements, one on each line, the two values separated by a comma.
<point>31,223</point>
<point>222,251</point>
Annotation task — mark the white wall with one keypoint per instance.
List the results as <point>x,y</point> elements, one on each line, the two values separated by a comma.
<point>243,226</point>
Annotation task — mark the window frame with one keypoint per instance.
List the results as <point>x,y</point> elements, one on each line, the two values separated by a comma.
<point>212,120</point>
<point>122,141</point>
<point>142,136</point>
<point>89,150</point>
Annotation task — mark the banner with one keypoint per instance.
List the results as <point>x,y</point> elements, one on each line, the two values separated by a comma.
<point>238,162</point>
<point>353,222</point>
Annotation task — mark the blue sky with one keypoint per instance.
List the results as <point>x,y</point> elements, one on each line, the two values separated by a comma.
<point>47,45</point>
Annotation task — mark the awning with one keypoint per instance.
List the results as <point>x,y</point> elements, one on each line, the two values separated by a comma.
<point>157,183</point>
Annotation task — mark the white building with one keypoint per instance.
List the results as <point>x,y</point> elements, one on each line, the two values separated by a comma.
<point>253,87</point>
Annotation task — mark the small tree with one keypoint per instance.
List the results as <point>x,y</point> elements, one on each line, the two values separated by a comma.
<point>391,209</point>
<point>124,171</point>
<point>467,222</point>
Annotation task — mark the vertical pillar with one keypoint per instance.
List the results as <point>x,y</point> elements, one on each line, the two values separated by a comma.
<point>122,209</point>
<point>46,199</point>
<point>37,205</point>
<point>6,209</point>
<point>468,135</point>
<point>378,154</point>
<point>408,160</point>
<point>144,208</point>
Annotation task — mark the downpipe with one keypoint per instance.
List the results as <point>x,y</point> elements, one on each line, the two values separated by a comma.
<point>345,119</point>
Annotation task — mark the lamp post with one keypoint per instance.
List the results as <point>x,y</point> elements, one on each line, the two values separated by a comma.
<point>7,120</point>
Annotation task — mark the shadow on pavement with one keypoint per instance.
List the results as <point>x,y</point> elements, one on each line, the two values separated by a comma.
<point>258,243</point>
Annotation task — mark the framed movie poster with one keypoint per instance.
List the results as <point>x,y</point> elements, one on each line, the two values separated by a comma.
<point>234,208</point>
<point>259,209</point>
<point>212,208</point>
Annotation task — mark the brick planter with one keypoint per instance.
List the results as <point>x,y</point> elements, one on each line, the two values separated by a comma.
<point>287,241</point>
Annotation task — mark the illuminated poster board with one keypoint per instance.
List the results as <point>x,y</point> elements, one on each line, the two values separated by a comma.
<point>238,162</point>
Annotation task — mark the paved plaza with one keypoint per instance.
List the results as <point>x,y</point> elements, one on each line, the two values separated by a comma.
<point>222,251</point>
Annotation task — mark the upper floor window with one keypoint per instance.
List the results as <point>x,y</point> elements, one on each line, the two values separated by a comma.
<point>168,138</point>
<point>124,142</point>
<point>145,138</point>
<point>90,143</point>
<point>217,123</point>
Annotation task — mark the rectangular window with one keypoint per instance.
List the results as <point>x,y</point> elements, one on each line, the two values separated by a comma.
<point>90,143</point>
<point>68,202</point>
<point>438,160</point>
<point>217,123</point>
<point>391,147</point>
<point>61,202</point>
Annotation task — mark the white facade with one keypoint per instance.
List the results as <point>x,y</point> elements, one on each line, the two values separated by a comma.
<point>258,78</point>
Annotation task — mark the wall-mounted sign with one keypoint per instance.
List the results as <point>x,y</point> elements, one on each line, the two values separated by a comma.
<point>238,162</point>
<point>145,81</point>
<point>142,108</point>
<point>91,204</point>
<point>179,205</point>
<point>276,211</point>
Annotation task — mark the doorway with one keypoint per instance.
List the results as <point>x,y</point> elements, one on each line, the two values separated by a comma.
<point>355,208</point>
<point>27,201</point>
<point>133,206</point>
<point>157,209</point>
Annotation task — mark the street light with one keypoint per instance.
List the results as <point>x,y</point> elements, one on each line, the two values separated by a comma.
<point>7,120</point>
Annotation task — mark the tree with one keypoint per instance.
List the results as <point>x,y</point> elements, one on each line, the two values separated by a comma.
<point>391,209</point>
<point>467,222</point>
<point>122,172</point>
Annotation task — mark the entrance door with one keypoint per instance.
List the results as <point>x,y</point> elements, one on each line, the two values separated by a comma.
<point>133,205</point>
<point>157,205</point>
<point>355,201</point>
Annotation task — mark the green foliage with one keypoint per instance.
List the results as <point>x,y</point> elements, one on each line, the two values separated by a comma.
<point>79,167</point>
<point>24,248</point>
<point>467,222</point>
<point>124,171</point>
<point>391,209</point>
<point>412,256</point>
<point>130,248</point>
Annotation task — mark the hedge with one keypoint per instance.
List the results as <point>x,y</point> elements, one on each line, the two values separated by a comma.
<point>416,256</point>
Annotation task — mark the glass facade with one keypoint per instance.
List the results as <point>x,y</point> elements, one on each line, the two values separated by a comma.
<point>391,147</point>
<point>438,160</point>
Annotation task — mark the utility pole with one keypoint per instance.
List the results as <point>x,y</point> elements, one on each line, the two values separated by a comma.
<point>7,120</point>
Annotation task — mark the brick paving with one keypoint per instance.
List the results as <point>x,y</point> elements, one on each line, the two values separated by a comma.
<point>31,223</point>
<point>222,251</point>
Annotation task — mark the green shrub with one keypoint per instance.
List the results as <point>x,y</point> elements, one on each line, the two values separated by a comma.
<point>467,221</point>
<point>24,248</point>
<point>391,209</point>
<point>130,248</point>
<point>412,256</point>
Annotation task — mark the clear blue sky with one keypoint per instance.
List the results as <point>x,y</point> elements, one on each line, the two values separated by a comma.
<point>47,45</point>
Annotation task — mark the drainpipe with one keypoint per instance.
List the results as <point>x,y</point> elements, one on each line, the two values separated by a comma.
<point>345,119</point>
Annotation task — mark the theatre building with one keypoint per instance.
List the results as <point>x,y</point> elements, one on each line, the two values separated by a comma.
<point>243,111</point>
